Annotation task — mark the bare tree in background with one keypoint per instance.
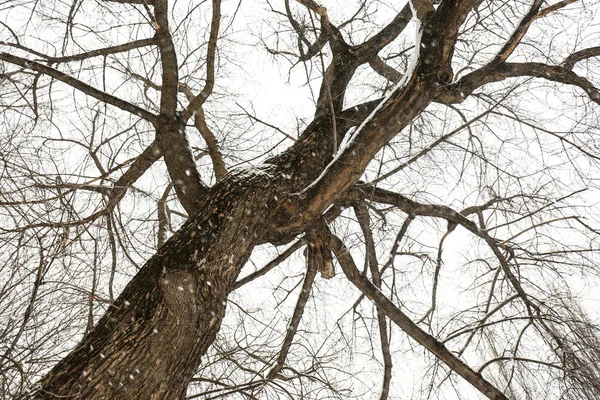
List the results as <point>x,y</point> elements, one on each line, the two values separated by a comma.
<point>438,165</point>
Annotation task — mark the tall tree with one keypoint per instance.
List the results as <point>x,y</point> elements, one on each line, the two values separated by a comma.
<point>456,139</point>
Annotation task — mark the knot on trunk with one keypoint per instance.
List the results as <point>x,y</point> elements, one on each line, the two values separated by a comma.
<point>445,76</point>
<point>319,254</point>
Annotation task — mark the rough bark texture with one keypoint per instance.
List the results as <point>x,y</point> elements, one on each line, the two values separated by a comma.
<point>150,341</point>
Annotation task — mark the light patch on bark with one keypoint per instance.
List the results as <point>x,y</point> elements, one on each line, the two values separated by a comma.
<point>179,289</point>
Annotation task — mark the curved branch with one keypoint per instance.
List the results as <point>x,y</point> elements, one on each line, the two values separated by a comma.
<point>384,70</point>
<point>580,55</point>
<point>495,73</point>
<point>170,130</point>
<point>520,359</point>
<point>377,42</point>
<point>434,210</point>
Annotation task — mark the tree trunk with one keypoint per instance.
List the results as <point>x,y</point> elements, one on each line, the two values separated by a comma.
<point>149,343</point>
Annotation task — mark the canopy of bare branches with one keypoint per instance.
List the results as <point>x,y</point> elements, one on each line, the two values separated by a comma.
<point>280,199</point>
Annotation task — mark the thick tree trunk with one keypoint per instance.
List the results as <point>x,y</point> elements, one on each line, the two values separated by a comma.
<point>149,343</point>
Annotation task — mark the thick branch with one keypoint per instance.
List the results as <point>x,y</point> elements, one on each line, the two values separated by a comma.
<point>163,217</point>
<point>314,6</point>
<point>410,97</point>
<point>121,48</point>
<point>495,73</point>
<point>170,131</point>
<point>389,118</point>
<point>581,55</point>
<point>298,28</point>
<point>314,48</point>
<point>197,102</point>
<point>142,163</point>
<point>421,8</point>
<point>79,85</point>
<point>338,74</point>
<point>518,34</point>
<point>554,7</point>
<point>168,59</point>
<point>384,70</point>
<point>408,326</point>
<point>377,42</point>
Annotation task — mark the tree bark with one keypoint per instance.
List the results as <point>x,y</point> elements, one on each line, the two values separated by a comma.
<point>149,343</point>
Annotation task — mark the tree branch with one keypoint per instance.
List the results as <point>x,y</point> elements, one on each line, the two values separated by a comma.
<point>518,34</point>
<point>142,163</point>
<point>554,7</point>
<point>209,137</point>
<point>121,48</point>
<point>81,86</point>
<point>377,42</point>
<point>168,60</point>
<point>495,73</point>
<point>170,131</point>
<point>580,55</point>
<point>384,70</point>
<point>412,207</point>
<point>408,326</point>
<point>364,220</point>
<point>163,216</point>
<point>410,97</point>
<point>309,278</point>
<point>270,265</point>
<point>421,8</point>
<point>197,102</point>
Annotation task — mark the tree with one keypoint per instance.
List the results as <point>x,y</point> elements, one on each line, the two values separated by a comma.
<point>464,155</point>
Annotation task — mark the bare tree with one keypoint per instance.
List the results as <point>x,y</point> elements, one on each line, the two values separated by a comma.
<point>452,145</point>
